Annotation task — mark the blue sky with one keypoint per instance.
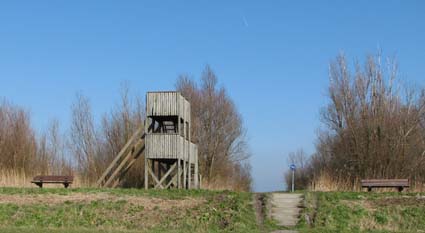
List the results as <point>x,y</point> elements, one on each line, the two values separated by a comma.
<point>272,56</point>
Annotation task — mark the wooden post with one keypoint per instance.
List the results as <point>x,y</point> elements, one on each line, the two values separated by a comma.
<point>148,122</point>
<point>168,167</point>
<point>159,167</point>
<point>161,170</point>
<point>196,175</point>
<point>189,175</point>
<point>153,166</point>
<point>184,174</point>
<point>178,173</point>
<point>146,173</point>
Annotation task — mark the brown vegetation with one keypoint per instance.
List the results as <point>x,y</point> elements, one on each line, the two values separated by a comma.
<point>149,203</point>
<point>18,144</point>
<point>22,153</point>
<point>95,147</point>
<point>218,129</point>
<point>90,146</point>
<point>374,128</point>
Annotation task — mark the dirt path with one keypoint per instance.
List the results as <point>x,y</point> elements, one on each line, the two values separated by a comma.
<point>285,208</point>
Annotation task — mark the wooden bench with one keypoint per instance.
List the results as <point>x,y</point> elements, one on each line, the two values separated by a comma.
<point>65,180</point>
<point>400,184</point>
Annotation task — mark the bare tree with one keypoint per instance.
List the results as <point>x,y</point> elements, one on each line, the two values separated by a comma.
<point>217,127</point>
<point>373,124</point>
<point>117,128</point>
<point>84,141</point>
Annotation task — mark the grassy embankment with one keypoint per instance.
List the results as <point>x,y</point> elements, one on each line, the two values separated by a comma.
<point>36,210</point>
<point>363,212</point>
<point>124,210</point>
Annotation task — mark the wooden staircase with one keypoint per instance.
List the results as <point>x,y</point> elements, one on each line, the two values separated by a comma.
<point>132,150</point>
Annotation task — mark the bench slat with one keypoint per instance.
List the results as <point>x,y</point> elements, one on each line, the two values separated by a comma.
<point>400,184</point>
<point>389,185</point>
<point>54,178</point>
<point>65,180</point>
<point>385,183</point>
<point>51,182</point>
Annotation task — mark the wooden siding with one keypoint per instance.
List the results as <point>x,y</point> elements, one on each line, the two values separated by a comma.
<point>167,104</point>
<point>169,146</point>
<point>193,153</point>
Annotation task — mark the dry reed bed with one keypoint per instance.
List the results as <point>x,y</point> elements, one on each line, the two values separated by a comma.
<point>20,179</point>
<point>328,183</point>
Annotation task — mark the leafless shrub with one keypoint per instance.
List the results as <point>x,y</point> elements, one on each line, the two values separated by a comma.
<point>51,152</point>
<point>22,153</point>
<point>17,139</point>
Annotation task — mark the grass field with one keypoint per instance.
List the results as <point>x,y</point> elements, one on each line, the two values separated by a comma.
<point>363,212</point>
<point>36,210</point>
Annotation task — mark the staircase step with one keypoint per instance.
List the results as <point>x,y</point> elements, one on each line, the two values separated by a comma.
<point>286,208</point>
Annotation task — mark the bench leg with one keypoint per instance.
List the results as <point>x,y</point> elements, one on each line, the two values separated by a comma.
<point>400,189</point>
<point>66,185</point>
<point>39,184</point>
<point>369,189</point>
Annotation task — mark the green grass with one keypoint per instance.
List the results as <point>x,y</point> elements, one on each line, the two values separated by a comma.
<point>217,211</point>
<point>220,211</point>
<point>168,194</point>
<point>363,212</point>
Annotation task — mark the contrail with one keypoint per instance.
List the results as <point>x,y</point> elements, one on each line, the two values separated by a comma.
<point>245,22</point>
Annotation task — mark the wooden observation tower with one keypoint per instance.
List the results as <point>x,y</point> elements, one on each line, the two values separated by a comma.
<point>171,159</point>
